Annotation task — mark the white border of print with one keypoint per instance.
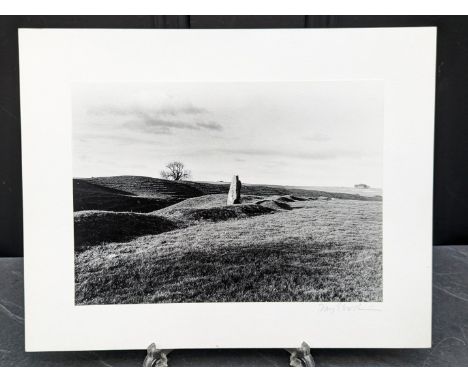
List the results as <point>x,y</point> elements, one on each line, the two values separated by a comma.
<point>51,60</point>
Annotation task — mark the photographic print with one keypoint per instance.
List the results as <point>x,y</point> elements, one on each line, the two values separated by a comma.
<point>192,192</point>
<point>264,193</point>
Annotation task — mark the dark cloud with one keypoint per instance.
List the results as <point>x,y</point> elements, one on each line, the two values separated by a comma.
<point>160,120</point>
<point>148,121</point>
<point>189,109</point>
<point>151,129</point>
<point>154,125</point>
<point>212,125</point>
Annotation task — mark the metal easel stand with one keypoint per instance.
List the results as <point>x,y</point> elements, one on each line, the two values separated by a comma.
<point>300,357</point>
<point>156,357</point>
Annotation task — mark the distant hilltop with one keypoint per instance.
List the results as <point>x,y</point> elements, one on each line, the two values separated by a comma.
<point>361,185</point>
<point>145,194</point>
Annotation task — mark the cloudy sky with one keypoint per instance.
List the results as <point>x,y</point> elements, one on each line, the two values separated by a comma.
<point>288,133</point>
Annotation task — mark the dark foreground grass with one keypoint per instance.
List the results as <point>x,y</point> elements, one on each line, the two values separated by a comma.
<point>322,250</point>
<point>96,227</point>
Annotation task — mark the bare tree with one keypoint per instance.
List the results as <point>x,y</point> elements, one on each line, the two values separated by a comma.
<point>175,171</point>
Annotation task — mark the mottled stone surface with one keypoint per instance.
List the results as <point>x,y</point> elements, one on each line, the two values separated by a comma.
<point>450,331</point>
<point>234,194</point>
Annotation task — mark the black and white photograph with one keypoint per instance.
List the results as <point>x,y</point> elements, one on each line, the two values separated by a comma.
<point>193,192</point>
<point>230,182</point>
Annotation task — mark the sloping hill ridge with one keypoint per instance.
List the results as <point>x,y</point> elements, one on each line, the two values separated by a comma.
<point>89,196</point>
<point>129,193</point>
<point>145,194</point>
<point>149,187</point>
<point>271,190</point>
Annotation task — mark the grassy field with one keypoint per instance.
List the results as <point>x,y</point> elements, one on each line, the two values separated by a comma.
<point>297,246</point>
<point>144,194</point>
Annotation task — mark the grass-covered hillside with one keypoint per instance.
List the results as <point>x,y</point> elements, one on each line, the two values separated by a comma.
<point>275,246</point>
<point>272,190</point>
<point>145,194</point>
<point>128,193</point>
<point>90,196</point>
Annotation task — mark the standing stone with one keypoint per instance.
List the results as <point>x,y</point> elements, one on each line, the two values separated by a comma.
<point>234,195</point>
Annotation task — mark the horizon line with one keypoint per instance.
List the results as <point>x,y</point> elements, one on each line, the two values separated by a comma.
<point>228,182</point>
